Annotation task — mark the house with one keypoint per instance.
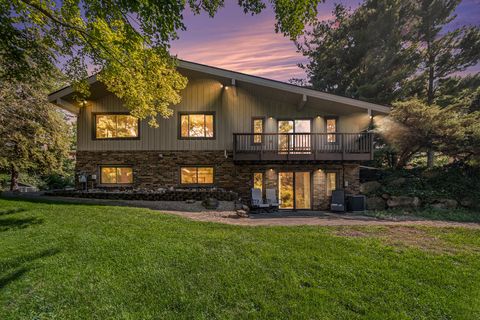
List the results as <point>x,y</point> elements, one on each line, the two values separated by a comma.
<point>232,131</point>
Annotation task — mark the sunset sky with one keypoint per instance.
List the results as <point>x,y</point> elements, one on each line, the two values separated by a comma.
<point>249,44</point>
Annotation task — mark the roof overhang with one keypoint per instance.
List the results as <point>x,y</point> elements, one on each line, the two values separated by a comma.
<point>64,97</point>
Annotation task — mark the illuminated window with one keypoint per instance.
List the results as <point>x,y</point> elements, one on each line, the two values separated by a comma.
<point>258,180</point>
<point>116,175</point>
<point>108,126</point>
<point>332,128</point>
<point>198,125</point>
<point>257,128</point>
<point>196,175</point>
<point>331,182</point>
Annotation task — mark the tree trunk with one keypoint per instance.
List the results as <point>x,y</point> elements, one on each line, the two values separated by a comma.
<point>14,179</point>
<point>430,96</point>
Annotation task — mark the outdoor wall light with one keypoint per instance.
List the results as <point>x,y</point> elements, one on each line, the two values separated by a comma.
<point>226,87</point>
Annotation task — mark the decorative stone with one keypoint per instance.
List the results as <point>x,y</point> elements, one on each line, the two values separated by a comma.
<point>467,203</point>
<point>210,203</point>
<point>444,204</point>
<point>397,182</point>
<point>242,213</point>
<point>403,202</point>
<point>385,196</point>
<point>190,201</point>
<point>376,203</point>
<point>369,187</point>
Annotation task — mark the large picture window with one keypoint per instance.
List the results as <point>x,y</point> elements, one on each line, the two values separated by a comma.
<point>116,126</point>
<point>197,126</point>
<point>196,175</point>
<point>116,175</point>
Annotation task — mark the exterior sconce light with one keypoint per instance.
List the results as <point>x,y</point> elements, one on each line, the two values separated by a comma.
<point>226,87</point>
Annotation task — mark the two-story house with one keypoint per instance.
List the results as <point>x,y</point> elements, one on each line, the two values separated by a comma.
<point>232,131</point>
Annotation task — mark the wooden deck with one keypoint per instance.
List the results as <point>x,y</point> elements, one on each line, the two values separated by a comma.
<point>303,146</point>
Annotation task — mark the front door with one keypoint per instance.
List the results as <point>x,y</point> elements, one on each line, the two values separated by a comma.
<point>294,190</point>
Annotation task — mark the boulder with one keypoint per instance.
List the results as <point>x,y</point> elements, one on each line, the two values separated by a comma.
<point>469,203</point>
<point>385,196</point>
<point>444,204</point>
<point>210,203</point>
<point>242,213</point>
<point>369,187</point>
<point>403,202</point>
<point>376,203</point>
<point>397,182</point>
<point>190,201</point>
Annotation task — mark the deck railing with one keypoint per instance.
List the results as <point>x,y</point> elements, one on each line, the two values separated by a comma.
<point>303,146</point>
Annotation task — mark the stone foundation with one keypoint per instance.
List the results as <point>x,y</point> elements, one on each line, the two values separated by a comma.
<point>156,169</point>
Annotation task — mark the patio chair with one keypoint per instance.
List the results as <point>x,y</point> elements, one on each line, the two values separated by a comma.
<point>338,201</point>
<point>257,200</point>
<point>272,199</point>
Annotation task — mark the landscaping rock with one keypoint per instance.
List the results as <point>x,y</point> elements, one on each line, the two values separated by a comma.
<point>444,204</point>
<point>376,203</point>
<point>397,182</point>
<point>403,202</point>
<point>190,201</point>
<point>369,187</point>
<point>246,208</point>
<point>210,203</point>
<point>385,196</point>
<point>242,213</point>
<point>469,203</point>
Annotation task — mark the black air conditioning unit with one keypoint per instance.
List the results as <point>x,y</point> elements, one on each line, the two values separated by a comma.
<point>356,203</point>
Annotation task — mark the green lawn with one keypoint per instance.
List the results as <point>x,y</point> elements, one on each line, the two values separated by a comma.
<point>67,261</point>
<point>457,215</point>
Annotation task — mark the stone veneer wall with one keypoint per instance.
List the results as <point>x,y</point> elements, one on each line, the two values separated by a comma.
<point>155,169</point>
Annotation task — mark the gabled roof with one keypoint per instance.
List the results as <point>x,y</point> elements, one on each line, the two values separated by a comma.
<point>58,97</point>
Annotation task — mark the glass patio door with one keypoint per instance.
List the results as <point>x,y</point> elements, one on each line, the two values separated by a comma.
<point>294,136</point>
<point>294,190</point>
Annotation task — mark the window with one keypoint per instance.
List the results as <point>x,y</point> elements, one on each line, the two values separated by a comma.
<point>332,128</point>
<point>197,126</point>
<point>116,175</point>
<point>116,126</point>
<point>258,180</point>
<point>257,126</point>
<point>196,175</point>
<point>331,182</point>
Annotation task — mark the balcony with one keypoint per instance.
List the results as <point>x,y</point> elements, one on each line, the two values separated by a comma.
<point>302,146</point>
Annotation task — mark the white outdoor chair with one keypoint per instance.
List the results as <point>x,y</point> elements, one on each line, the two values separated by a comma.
<point>257,200</point>
<point>272,198</point>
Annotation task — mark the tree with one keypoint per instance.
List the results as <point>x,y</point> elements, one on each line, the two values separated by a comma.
<point>33,134</point>
<point>414,126</point>
<point>127,41</point>
<point>364,54</point>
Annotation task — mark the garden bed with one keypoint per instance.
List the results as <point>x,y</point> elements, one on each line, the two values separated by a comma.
<point>167,195</point>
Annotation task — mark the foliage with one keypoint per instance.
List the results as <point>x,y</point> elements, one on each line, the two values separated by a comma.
<point>414,126</point>
<point>363,54</point>
<point>72,261</point>
<point>32,133</point>
<point>127,41</point>
<point>452,181</point>
<point>387,50</point>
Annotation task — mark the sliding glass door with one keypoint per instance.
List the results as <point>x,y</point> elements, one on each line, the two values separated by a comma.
<point>294,190</point>
<point>295,137</point>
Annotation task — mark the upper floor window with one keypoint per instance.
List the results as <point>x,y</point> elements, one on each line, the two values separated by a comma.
<point>332,129</point>
<point>115,126</point>
<point>257,126</point>
<point>116,175</point>
<point>197,126</point>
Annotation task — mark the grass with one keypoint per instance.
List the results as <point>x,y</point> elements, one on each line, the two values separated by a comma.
<point>68,261</point>
<point>457,215</point>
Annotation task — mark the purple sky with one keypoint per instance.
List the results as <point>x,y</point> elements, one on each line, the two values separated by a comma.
<point>249,44</point>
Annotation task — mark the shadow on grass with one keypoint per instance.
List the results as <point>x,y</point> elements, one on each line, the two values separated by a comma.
<point>21,265</point>
<point>18,223</point>
<point>66,201</point>
<point>10,211</point>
